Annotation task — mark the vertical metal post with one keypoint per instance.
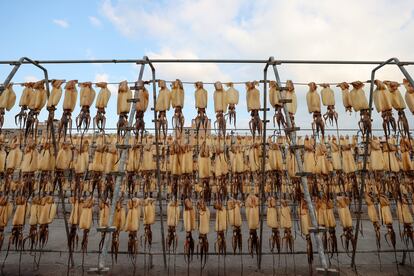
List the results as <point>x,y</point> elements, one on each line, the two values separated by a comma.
<point>368,134</point>
<point>157,149</point>
<point>119,178</point>
<point>46,75</point>
<point>304,180</point>
<point>263,180</point>
<point>17,66</point>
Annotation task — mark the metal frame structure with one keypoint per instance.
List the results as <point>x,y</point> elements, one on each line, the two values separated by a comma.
<point>290,131</point>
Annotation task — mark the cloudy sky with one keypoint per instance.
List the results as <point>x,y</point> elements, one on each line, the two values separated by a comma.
<point>107,29</point>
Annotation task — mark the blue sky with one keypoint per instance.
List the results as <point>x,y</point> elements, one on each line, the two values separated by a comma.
<point>207,29</point>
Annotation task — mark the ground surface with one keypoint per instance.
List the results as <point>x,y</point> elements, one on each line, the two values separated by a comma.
<point>54,262</point>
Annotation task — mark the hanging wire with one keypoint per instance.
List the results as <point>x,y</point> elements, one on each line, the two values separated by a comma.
<point>299,83</point>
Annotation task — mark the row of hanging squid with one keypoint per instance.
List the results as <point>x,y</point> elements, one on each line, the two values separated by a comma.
<point>34,98</point>
<point>214,178</point>
<point>197,179</point>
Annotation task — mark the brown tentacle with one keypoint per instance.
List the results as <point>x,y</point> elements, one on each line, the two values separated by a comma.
<point>188,247</point>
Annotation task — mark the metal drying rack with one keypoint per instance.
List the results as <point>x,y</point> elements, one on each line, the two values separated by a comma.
<point>290,131</point>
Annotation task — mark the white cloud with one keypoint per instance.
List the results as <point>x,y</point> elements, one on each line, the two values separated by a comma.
<point>30,78</point>
<point>95,21</point>
<point>294,29</point>
<point>103,77</point>
<point>61,23</point>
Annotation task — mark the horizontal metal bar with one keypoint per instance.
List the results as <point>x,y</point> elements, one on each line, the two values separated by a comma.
<point>229,130</point>
<point>78,61</point>
<point>229,253</point>
<point>234,61</point>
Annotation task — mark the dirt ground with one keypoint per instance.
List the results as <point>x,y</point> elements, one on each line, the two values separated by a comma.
<point>54,260</point>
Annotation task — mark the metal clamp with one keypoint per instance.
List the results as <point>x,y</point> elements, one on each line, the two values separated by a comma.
<point>291,129</point>
<point>283,101</point>
<point>133,100</point>
<point>123,147</point>
<point>296,147</point>
<point>319,229</point>
<point>109,229</point>
<point>304,174</point>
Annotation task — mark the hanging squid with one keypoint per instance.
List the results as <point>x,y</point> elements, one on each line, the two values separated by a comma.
<point>221,228</point>
<point>29,166</point>
<point>52,103</point>
<point>360,103</point>
<point>273,222</point>
<point>382,101</point>
<point>177,102</point>
<point>187,170</point>
<point>406,219</point>
<point>232,99</point>
<point>220,107</point>
<point>13,160</point>
<point>286,224</point>
<point>314,106</point>
<point>328,100</point>
<point>204,170</point>
<point>119,223</point>
<point>87,96</point>
<point>409,95</point>
<point>252,215</point>
<point>47,211</point>
<point>220,171</point>
<point>140,107</point>
<point>201,104</point>
<point>235,220</point>
<point>173,217</point>
<point>148,219</point>
<point>398,104</point>
<point>25,98</point>
<point>18,222</point>
<point>103,221</point>
<point>69,103</point>
<point>346,222</point>
<point>386,216</point>
<point>6,210</point>
<point>63,159</point>
<point>37,102</point>
<point>132,225</point>
<point>373,216</point>
<point>7,101</point>
<point>238,167</point>
<point>304,226</point>
<point>162,106</point>
<point>332,242</point>
<point>253,106</point>
<point>321,216</point>
<point>346,96</point>
<point>203,229</point>
<point>274,97</point>
<point>123,108</point>
<point>33,236</point>
<point>189,220</point>
<point>85,222</point>
<point>74,222</point>
<point>101,103</point>
<point>96,167</point>
<point>292,106</point>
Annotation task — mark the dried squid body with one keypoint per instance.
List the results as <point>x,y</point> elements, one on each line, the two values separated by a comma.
<point>314,106</point>
<point>253,106</point>
<point>162,105</point>
<point>69,103</point>
<point>177,102</point>
<point>87,96</point>
<point>232,99</point>
<point>201,104</point>
<point>101,103</point>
